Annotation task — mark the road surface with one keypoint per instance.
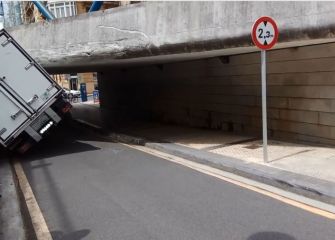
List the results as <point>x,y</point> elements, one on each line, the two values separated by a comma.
<point>89,188</point>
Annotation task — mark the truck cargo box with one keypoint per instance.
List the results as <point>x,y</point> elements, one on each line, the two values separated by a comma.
<point>27,94</point>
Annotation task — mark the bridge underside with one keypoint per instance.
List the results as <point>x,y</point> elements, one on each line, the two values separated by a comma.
<point>193,63</point>
<point>161,32</point>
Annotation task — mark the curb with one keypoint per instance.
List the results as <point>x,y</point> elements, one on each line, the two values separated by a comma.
<point>310,187</point>
<point>300,184</point>
<point>11,219</point>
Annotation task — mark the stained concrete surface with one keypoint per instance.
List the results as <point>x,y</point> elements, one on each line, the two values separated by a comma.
<point>156,32</point>
<point>90,110</point>
<point>303,158</point>
<point>11,222</point>
<point>308,159</point>
<point>191,137</point>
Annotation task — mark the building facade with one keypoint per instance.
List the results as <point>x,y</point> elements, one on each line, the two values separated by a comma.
<point>62,9</point>
<point>1,16</point>
<point>11,13</point>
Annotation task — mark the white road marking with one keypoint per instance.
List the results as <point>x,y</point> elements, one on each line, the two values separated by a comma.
<point>310,205</point>
<point>40,227</point>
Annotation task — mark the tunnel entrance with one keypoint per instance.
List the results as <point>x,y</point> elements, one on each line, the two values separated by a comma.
<point>224,93</point>
<point>196,94</point>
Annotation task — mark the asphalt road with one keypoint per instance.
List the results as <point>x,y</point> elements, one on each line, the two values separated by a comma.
<point>88,188</point>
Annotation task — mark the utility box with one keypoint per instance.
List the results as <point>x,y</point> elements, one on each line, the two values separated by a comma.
<point>96,98</point>
<point>83,92</point>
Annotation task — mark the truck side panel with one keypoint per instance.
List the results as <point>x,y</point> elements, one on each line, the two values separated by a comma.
<point>21,75</point>
<point>11,116</point>
<point>31,101</point>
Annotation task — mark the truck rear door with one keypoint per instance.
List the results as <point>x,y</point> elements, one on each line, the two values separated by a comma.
<point>12,115</point>
<point>22,77</point>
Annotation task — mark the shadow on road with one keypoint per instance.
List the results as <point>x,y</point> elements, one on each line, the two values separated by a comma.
<point>77,235</point>
<point>270,236</point>
<point>3,154</point>
<point>63,140</point>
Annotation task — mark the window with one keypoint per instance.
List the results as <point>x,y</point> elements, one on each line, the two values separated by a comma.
<point>73,81</point>
<point>62,9</point>
<point>95,77</point>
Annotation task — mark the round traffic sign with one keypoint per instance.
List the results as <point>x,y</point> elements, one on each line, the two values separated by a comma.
<point>264,33</point>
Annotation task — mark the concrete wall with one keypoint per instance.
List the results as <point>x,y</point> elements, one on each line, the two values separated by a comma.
<point>168,31</point>
<point>225,93</point>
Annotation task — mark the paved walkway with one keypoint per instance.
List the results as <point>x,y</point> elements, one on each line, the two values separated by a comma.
<point>304,158</point>
<point>11,221</point>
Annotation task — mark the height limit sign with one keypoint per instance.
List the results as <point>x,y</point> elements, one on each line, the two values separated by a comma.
<point>264,34</point>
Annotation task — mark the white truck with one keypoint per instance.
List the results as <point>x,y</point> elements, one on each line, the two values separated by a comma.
<point>31,102</point>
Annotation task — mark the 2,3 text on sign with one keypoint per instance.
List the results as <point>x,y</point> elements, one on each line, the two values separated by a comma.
<point>265,33</point>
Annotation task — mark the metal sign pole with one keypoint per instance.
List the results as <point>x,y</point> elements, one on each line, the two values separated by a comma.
<point>264,114</point>
<point>264,34</point>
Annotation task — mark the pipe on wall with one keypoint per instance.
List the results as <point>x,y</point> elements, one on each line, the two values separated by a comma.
<point>96,5</point>
<point>43,9</point>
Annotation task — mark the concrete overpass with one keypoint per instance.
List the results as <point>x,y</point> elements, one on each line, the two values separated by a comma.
<point>159,32</point>
<point>193,63</point>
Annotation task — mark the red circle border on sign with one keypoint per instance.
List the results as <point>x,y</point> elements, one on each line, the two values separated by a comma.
<point>253,33</point>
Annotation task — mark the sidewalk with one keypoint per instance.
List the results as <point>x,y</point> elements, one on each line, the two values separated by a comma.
<point>88,112</point>
<point>306,169</point>
<point>11,221</point>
